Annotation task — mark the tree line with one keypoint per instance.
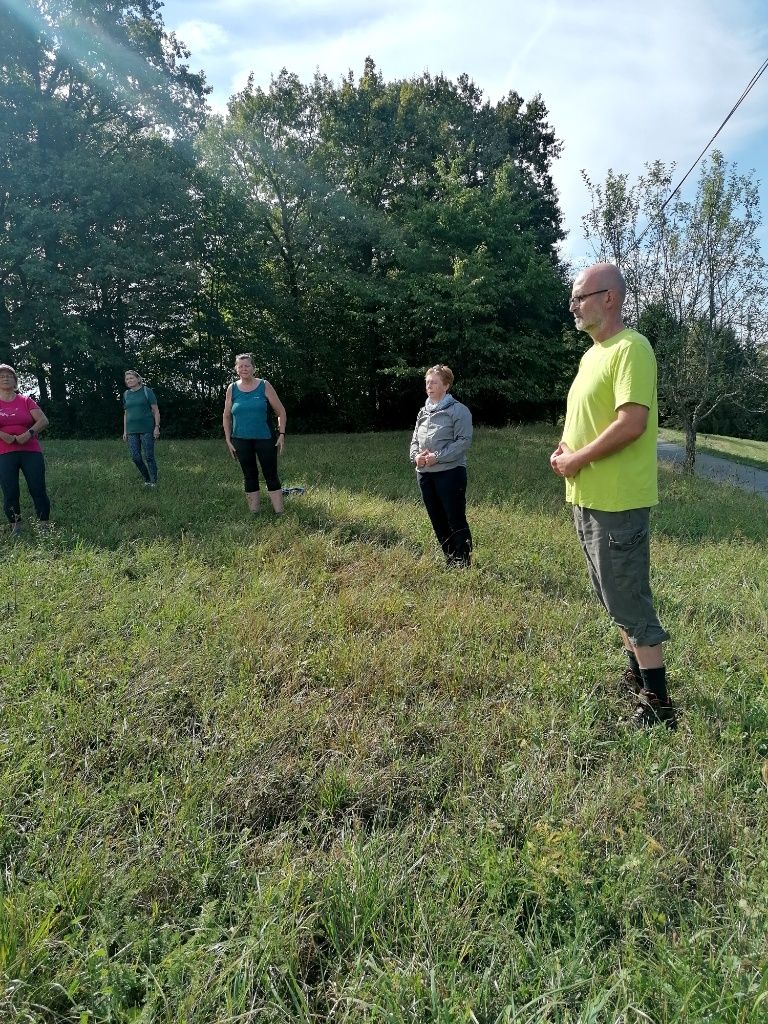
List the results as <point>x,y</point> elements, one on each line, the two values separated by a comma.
<point>347,232</point>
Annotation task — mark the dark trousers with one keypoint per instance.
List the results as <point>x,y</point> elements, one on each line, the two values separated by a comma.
<point>445,499</point>
<point>135,444</point>
<point>247,450</point>
<point>32,465</point>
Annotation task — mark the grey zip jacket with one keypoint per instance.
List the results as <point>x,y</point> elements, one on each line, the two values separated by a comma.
<point>447,432</point>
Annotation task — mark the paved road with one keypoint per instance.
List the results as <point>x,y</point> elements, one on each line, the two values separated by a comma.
<point>711,467</point>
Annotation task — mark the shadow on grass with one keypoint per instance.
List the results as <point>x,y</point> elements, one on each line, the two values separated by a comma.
<point>98,497</point>
<point>346,529</point>
<point>99,500</point>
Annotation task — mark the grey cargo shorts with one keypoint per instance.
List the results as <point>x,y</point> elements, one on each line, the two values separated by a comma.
<point>616,546</point>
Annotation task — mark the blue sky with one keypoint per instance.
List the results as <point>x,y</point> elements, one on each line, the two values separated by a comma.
<point>624,82</point>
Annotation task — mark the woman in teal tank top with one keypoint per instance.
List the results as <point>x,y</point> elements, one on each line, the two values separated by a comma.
<point>248,434</point>
<point>141,425</point>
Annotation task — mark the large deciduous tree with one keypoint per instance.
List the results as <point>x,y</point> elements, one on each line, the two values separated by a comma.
<point>397,223</point>
<point>97,111</point>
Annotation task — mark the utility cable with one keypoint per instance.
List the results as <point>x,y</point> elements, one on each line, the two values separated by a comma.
<point>748,88</point>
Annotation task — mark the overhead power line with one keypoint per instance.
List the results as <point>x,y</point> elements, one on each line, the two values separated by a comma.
<point>747,89</point>
<point>750,86</point>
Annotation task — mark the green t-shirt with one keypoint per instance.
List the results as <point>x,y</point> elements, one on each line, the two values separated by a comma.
<point>138,410</point>
<point>613,372</point>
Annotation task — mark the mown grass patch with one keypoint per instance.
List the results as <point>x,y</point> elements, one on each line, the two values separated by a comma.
<point>259,769</point>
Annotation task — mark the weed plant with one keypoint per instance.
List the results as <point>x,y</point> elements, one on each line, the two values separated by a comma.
<point>259,769</point>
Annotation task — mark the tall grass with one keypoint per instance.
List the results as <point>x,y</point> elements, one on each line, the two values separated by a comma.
<point>260,769</point>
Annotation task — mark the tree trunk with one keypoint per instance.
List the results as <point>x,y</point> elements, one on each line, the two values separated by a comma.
<point>58,388</point>
<point>6,333</point>
<point>690,446</point>
<point>42,383</point>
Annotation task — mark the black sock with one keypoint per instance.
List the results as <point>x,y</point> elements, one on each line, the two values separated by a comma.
<point>633,663</point>
<point>655,680</point>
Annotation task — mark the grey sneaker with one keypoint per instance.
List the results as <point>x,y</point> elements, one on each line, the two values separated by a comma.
<point>15,529</point>
<point>651,711</point>
<point>293,490</point>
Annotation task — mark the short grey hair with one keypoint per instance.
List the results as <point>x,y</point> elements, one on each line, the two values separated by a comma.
<point>445,373</point>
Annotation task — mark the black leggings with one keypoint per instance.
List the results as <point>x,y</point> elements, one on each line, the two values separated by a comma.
<point>32,466</point>
<point>247,449</point>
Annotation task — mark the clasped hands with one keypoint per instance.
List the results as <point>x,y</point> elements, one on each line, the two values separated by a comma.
<point>425,458</point>
<point>16,438</point>
<point>565,462</point>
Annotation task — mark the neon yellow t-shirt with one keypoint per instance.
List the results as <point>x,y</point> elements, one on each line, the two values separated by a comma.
<point>613,372</point>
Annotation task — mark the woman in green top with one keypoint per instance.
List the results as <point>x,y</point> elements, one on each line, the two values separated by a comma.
<point>248,433</point>
<point>141,425</point>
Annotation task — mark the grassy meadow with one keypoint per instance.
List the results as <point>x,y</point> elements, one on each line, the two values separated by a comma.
<point>268,770</point>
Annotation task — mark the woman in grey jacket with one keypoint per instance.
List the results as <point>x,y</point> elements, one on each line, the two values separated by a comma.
<point>439,452</point>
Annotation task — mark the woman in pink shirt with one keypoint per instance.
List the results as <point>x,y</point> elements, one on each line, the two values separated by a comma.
<point>21,420</point>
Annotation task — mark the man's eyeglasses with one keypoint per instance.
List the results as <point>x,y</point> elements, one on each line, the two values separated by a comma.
<point>576,300</point>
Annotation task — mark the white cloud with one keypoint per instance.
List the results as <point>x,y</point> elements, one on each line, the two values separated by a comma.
<point>624,83</point>
<point>202,36</point>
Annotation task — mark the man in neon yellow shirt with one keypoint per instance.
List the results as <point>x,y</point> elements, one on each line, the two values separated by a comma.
<point>607,456</point>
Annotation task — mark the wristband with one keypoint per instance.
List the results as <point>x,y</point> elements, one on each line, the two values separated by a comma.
<point>281,433</point>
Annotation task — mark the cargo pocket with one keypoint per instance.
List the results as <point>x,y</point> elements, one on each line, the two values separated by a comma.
<point>626,540</point>
<point>628,552</point>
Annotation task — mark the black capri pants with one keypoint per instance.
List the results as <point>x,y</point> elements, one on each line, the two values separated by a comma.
<point>247,449</point>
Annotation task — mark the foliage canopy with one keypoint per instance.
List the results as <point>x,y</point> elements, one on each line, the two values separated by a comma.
<point>348,232</point>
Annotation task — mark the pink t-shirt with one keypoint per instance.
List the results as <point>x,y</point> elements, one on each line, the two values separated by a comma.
<point>16,418</point>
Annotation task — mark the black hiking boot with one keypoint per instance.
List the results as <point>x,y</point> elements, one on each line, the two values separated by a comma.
<point>651,711</point>
<point>628,684</point>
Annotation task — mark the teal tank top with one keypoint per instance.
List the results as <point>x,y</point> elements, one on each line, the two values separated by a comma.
<point>249,413</point>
